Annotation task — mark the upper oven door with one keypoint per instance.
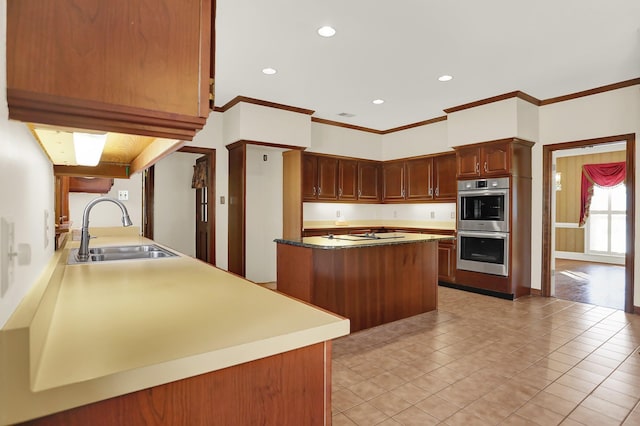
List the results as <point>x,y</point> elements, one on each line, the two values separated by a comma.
<point>484,210</point>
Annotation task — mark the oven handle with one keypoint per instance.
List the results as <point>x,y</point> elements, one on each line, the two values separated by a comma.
<point>493,235</point>
<point>493,191</point>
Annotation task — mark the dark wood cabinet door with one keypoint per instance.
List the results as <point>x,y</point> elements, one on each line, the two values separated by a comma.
<point>468,160</point>
<point>444,175</point>
<point>309,177</point>
<point>327,178</point>
<point>348,180</point>
<point>496,159</point>
<point>419,179</point>
<point>369,180</point>
<point>393,181</point>
<point>447,261</point>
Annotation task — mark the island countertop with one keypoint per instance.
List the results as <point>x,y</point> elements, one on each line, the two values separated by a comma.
<point>89,332</point>
<point>363,240</point>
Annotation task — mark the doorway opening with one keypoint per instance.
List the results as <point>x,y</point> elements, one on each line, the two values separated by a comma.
<point>572,256</point>
<point>186,219</point>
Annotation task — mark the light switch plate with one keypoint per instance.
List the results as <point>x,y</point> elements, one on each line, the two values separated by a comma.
<point>6,245</point>
<point>123,195</point>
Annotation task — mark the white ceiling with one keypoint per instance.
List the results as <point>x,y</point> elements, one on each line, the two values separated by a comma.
<point>395,50</point>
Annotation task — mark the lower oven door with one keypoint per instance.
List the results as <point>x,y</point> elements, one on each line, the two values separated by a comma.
<point>486,252</point>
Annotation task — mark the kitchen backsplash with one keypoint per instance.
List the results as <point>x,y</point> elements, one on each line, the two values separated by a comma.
<point>441,212</point>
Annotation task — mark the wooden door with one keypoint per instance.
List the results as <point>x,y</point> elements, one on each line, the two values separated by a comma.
<point>309,177</point>
<point>202,215</point>
<point>348,180</point>
<point>369,180</point>
<point>419,179</point>
<point>393,181</point>
<point>496,159</point>
<point>444,174</point>
<point>327,178</point>
<point>237,213</point>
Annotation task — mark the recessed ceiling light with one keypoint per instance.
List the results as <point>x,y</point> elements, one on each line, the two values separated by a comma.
<point>445,78</point>
<point>326,31</point>
<point>378,101</point>
<point>269,71</point>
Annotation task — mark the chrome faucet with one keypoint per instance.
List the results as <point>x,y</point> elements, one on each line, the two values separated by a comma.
<point>83,251</point>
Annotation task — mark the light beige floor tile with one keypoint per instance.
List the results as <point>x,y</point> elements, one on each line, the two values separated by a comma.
<point>590,417</point>
<point>608,408</point>
<point>342,420</point>
<point>366,390</point>
<point>465,419</point>
<point>437,407</point>
<point>413,416</point>
<point>411,393</point>
<point>539,415</point>
<point>365,414</point>
<point>553,403</point>
<point>390,404</point>
<point>344,399</point>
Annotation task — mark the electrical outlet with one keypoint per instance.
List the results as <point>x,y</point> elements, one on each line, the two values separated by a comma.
<point>453,215</point>
<point>337,213</point>
<point>123,195</point>
<point>432,215</point>
<point>395,214</point>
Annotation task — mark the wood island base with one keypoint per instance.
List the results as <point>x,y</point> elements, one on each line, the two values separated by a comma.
<point>370,285</point>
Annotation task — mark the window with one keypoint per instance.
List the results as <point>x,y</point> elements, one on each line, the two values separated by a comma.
<point>606,233</point>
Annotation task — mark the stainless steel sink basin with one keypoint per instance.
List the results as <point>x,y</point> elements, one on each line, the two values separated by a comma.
<point>106,254</point>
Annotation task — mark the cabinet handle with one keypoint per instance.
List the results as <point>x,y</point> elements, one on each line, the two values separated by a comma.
<point>319,190</point>
<point>314,190</point>
<point>477,167</point>
<point>359,193</point>
<point>437,191</point>
<point>430,192</point>
<point>485,167</point>
<point>340,192</point>
<point>402,193</point>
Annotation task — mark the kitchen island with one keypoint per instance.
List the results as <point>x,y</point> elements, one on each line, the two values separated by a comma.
<point>162,341</point>
<point>371,279</point>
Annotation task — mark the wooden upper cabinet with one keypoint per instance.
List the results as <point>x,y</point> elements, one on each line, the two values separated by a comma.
<point>369,181</point>
<point>505,157</point>
<point>319,178</point>
<point>309,177</point>
<point>419,179</point>
<point>348,180</point>
<point>127,66</point>
<point>490,159</point>
<point>393,181</point>
<point>327,178</point>
<point>444,176</point>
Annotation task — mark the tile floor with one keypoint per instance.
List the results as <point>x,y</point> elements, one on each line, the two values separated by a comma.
<point>480,360</point>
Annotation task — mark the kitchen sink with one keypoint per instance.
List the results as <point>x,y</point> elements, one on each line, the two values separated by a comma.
<point>106,254</point>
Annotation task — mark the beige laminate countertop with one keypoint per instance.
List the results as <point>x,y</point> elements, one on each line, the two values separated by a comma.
<point>95,331</point>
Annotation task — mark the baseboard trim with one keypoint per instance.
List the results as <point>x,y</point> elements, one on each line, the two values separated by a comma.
<point>536,292</point>
<point>476,290</point>
<point>636,310</point>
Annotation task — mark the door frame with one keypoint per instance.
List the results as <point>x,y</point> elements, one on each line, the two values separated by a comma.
<point>149,191</point>
<point>547,214</point>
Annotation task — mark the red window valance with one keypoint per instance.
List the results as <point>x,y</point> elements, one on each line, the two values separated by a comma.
<point>606,175</point>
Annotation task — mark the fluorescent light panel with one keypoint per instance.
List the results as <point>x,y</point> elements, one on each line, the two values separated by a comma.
<point>88,147</point>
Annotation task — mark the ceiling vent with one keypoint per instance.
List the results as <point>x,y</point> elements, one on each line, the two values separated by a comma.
<point>346,114</point>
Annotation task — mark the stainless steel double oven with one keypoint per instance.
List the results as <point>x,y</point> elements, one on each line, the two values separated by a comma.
<point>483,226</point>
